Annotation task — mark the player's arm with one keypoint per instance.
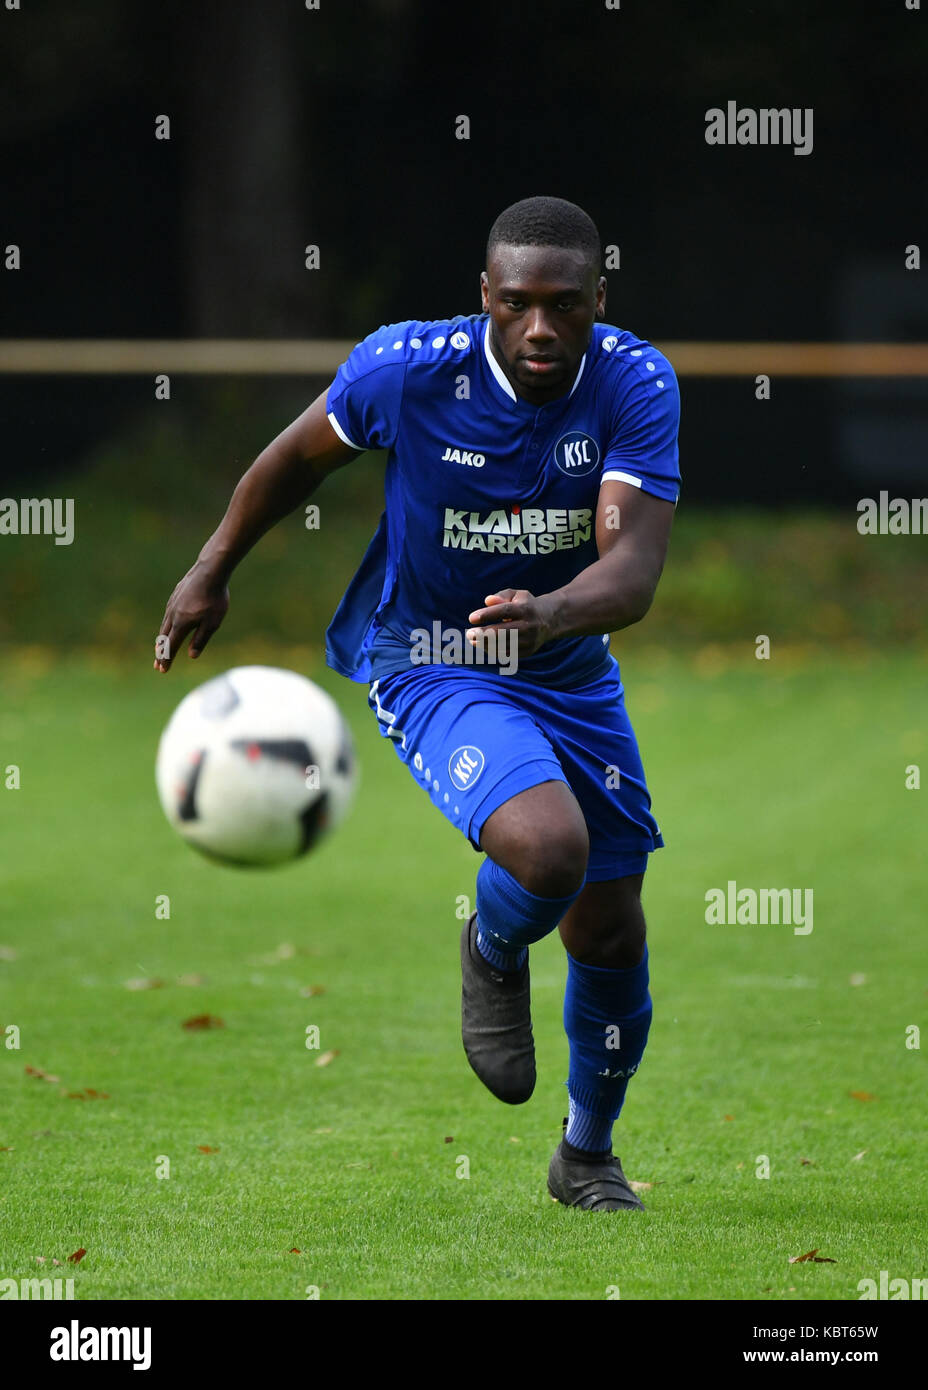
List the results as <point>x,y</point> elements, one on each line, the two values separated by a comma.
<point>282,476</point>
<point>632,535</point>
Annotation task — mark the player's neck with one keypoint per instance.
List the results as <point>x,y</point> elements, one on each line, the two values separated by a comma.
<point>536,396</point>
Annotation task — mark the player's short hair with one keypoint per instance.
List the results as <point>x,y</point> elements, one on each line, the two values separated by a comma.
<point>547,222</point>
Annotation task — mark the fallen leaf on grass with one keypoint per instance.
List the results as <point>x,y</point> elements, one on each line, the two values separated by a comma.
<point>858,1157</point>
<point>207,1149</point>
<point>41,1075</point>
<point>807,1162</point>
<point>77,1256</point>
<point>310,991</point>
<point>858,978</point>
<point>640,1186</point>
<point>514,1140</point>
<point>201,1021</point>
<point>862,1095</point>
<point>40,1259</point>
<point>88,1093</point>
<point>6,1148</point>
<point>293,1251</point>
<point>812,1255</point>
<point>56,1262</point>
<point>325,1058</point>
<point>728,1117</point>
<point>285,951</point>
<point>325,1129</point>
<point>449,1138</point>
<point>144,983</point>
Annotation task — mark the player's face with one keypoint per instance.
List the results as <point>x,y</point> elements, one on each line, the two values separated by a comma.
<point>542,301</point>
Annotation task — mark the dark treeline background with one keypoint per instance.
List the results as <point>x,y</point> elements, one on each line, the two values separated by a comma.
<point>336,127</point>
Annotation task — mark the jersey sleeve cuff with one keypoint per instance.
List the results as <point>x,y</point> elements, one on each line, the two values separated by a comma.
<point>343,436</point>
<point>666,491</point>
<point>620,477</point>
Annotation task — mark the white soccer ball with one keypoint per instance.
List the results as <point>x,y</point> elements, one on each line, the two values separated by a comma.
<point>255,766</point>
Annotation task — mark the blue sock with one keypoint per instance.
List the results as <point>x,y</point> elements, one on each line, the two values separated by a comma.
<point>501,960</point>
<point>607,1014</point>
<point>586,1130</point>
<point>510,918</point>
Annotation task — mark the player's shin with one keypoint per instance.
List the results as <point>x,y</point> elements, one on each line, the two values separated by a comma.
<point>607,1014</point>
<point>510,918</point>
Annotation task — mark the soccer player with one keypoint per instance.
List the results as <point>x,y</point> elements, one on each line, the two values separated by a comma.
<point>531,481</point>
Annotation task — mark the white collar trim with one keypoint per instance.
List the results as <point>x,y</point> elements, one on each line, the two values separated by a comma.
<point>578,376</point>
<point>501,376</point>
<point>495,368</point>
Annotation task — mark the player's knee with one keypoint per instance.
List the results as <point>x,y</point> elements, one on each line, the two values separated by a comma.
<point>607,926</point>
<point>622,944</point>
<point>540,837</point>
<point>553,864</point>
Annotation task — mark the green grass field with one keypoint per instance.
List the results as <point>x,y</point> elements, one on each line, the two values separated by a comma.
<point>787,772</point>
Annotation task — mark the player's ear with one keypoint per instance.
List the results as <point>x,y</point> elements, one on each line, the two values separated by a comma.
<point>484,292</point>
<point>601,298</point>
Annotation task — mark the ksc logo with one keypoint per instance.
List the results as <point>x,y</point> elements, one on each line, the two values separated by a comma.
<point>465,766</point>
<point>576,454</point>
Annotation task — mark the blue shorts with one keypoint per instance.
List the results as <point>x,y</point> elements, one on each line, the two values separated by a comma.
<point>474,739</point>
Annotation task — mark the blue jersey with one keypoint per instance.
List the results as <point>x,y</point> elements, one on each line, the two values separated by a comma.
<point>484,490</point>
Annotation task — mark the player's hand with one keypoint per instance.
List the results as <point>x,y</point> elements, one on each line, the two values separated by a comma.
<point>531,616</point>
<point>198,605</point>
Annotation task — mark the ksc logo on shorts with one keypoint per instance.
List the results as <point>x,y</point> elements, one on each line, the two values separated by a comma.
<point>576,454</point>
<point>465,766</point>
